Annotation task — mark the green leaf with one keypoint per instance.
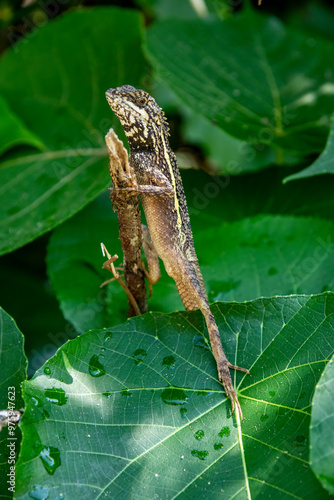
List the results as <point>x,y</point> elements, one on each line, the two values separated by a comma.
<point>138,412</point>
<point>224,153</point>
<point>236,73</point>
<point>13,368</point>
<point>266,256</point>
<point>64,69</point>
<point>324,164</point>
<point>13,132</point>
<point>321,434</point>
<point>243,260</point>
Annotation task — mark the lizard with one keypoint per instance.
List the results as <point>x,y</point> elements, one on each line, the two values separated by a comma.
<point>161,193</point>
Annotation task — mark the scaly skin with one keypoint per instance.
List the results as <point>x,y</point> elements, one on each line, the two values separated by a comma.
<point>162,196</point>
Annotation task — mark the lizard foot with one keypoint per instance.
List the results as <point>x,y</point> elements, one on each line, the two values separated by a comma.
<point>226,381</point>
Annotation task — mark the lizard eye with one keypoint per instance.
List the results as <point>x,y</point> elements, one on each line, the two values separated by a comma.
<point>141,101</point>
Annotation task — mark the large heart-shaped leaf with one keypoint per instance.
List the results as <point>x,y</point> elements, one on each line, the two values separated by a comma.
<point>324,164</point>
<point>237,73</point>
<point>13,369</point>
<point>137,411</point>
<point>322,437</point>
<point>60,97</point>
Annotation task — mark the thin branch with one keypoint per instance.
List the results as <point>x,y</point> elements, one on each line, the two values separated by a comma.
<point>126,205</point>
<point>109,265</point>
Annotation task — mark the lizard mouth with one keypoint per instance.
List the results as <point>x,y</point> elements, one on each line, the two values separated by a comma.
<point>112,98</point>
<point>120,105</point>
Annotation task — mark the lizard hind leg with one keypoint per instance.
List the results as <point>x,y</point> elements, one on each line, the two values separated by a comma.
<point>193,296</point>
<point>223,365</point>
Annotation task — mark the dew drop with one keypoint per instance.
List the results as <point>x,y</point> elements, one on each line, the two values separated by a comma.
<point>138,356</point>
<point>202,455</point>
<point>218,446</point>
<point>36,401</point>
<point>174,396</point>
<point>56,396</point>
<point>47,370</point>
<point>95,368</point>
<point>39,493</point>
<point>169,361</point>
<point>199,435</point>
<point>126,393</point>
<point>50,458</point>
<point>225,431</point>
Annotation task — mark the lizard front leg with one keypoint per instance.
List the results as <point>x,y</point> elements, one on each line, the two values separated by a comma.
<point>161,189</point>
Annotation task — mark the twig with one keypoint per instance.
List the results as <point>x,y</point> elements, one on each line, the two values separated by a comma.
<point>127,206</point>
<point>109,265</point>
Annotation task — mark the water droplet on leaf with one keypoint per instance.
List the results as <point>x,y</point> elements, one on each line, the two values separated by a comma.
<point>36,401</point>
<point>95,368</point>
<point>39,493</point>
<point>169,361</point>
<point>174,396</point>
<point>56,396</point>
<point>199,435</point>
<point>225,431</point>
<point>138,356</point>
<point>50,457</point>
<point>202,455</point>
<point>126,393</point>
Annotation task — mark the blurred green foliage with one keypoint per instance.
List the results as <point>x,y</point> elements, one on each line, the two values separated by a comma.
<point>249,94</point>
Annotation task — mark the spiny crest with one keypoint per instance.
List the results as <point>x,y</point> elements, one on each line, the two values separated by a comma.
<point>142,119</point>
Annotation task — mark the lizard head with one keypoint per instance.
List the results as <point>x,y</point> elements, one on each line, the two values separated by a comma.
<point>143,120</point>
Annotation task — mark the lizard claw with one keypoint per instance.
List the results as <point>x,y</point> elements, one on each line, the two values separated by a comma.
<point>226,380</point>
<point>234,367</point>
